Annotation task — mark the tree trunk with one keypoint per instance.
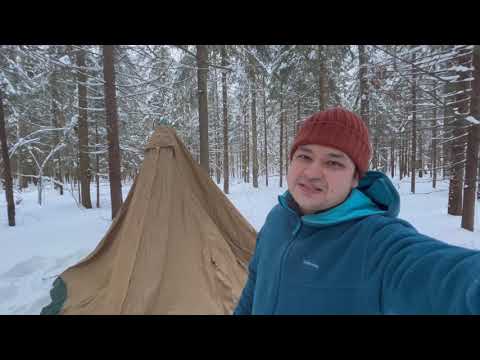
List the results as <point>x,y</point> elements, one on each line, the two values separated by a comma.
<point>322,78</point>
<point>299,118</point>
<point>232,164</point>
<point>456,176</point>
<point>265,147</point>
<point>114,156</point>
<point>253,94</point>
<point>473,144</point>
<point>241,155</point>
<point>61,162</point>
<point>469,191</point>
<point>434,145</point>
<point>40,186</point>
<point>226,177</point>
<point>247,147</point>
<point>414,127</point>
<point>455,199</point>
<point>240,167</point>
<point>374,131</point>
<point>202,75</point>
<point>420,155</point>
<point>97,165</point>
<point>7,174</point>
<point>56,136</point>
<point>84,160</point>
<point>400,157</point>
<point>478,185</point>
<point>286,141</point>
<point>364,93</point>
<point>21,167</point>
<point>281,136</point>
<point>407,156</point>
<point>245,150</point>
<point>216,121</point>
<point>445,145</point>
<point>78,188</point>
<point>392,157</point>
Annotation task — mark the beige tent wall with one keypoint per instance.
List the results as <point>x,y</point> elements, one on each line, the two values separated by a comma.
<point>177,246</point>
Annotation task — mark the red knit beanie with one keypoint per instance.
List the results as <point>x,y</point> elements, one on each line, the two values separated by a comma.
<point>337,128</point>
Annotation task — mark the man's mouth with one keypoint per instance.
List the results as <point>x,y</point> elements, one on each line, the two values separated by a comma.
<point>310,189</point>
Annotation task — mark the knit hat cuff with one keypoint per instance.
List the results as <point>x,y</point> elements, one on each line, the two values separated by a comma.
<point>337,136</point>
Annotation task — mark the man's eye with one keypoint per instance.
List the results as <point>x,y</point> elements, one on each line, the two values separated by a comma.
<point>334,164</point>
<point>303,157</point>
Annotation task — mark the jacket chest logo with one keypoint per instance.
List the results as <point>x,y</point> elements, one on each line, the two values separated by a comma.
<point>310,264</point>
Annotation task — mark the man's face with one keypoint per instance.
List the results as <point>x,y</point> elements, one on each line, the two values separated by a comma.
<point>320,177</point>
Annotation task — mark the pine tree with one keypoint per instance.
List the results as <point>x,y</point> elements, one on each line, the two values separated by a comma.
<point>114,156</point>
<point>473,145</point>
<point>7,175</point>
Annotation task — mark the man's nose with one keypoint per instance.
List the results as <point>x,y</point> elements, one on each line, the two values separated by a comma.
<point>314,170</point>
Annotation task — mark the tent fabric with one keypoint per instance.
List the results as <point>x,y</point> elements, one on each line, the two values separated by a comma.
<point>177,245</point>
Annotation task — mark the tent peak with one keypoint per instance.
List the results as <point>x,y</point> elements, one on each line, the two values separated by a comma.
<point>163,137</point>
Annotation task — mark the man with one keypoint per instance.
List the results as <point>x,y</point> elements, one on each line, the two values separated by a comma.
<point>334,244</point>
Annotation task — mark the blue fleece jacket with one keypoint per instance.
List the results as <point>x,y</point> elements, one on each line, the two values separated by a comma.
<point>357,258</point>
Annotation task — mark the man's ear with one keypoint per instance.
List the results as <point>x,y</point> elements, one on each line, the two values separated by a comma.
<point>356,178</point>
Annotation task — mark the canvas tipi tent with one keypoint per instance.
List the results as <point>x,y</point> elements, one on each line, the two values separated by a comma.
<point>176,246</point>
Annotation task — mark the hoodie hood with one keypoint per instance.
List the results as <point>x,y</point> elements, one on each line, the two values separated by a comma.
<point>375,194</point>
<point>379,188</point>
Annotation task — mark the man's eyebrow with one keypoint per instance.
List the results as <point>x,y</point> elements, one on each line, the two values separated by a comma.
<point>306,149</point>
<point>337,156</point>
<point>330,154</point>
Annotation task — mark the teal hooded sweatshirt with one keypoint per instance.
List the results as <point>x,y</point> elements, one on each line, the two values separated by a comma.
<point>357,258</point>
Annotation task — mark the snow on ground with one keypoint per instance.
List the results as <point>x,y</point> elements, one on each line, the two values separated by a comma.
<point>46,240</point>
<point>50,238</point>
<point>427,211</point>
